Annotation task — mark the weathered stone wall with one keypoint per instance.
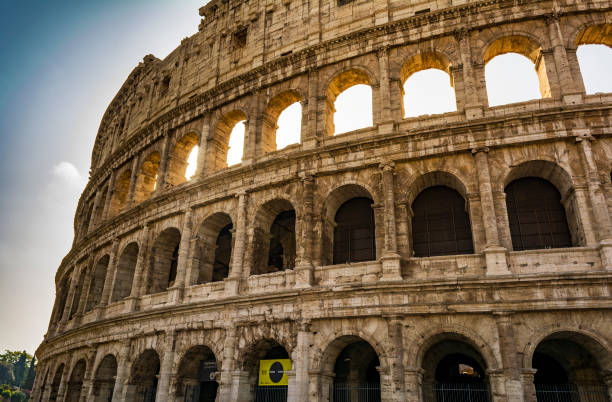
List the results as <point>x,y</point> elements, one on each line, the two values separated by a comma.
<point>248,61</point>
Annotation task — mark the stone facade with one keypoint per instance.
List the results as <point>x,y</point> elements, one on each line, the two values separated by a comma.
<point>139,300</point>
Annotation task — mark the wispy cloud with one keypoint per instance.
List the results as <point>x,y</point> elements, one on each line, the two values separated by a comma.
<point>68,173</point>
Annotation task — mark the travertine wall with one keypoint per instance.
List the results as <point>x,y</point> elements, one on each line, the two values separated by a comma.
<point>249,60</point>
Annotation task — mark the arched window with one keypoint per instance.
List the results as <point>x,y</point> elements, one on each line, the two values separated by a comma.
<point>73,393</point>
<point>440,224</point>
<point>427,85</point>
<point>595,57</point>
<point>282,123</point>
<point>213,250</point>
<point>183,159</point>
<point>226,146</point>
<point>236,144</point>
<point>354,239</point>
<point>281,255</point>
<point>126,267</point>
<point>196,375</point>
<point>97,283</point>
<point>356,377</point>
<point>142,385</point>
<point>349,102</point>
<point>77,294</point>
<point>165,260</point>
<point>274,240</point>
<point>509,71</point>
<point>62,296</point>
<point>120,194</point>
<point>536,215</point>
<point>146,181</point>
<point>104,379</point>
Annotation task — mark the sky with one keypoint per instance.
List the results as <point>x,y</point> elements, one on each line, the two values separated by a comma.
<point>64,61</point>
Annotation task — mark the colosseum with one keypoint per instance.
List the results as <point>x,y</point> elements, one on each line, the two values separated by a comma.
<point>461,256</point>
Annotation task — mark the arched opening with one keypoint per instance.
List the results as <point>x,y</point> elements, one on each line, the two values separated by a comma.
<point>98,211</point>
<point>348,102</point>
<point>355,371</point>
<point>427,85</point>
<point>595,57</point>
<point>164,261</point>
<point>120,194</point>
<point>440,223</point>
<point>146,182</point>
<point>226,145</point>
<point>78,290</point>
<point>454,371</point>
<point>62,296</point>
<point>354,237</point>
<point>43,385</point>
<point>124,277</point>
<point>568,369</point>
<point>274,238</point>
<point>213,249</point>
<point>509,71</point>
<point>104,379</point>
<point>536,215</point>
<point>75,384</point>
<point>97,282</point>
<point>197,376</point>
<point>142,385</point>
<point>57,379</point>
<point>266,364</point>
<point>182,159</point>
<point>282,122</point>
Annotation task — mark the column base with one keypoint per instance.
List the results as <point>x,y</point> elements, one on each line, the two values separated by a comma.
<point>391,268</point>
<point>572,99</point>
<point>131,304</point>
<point>310,143</point>
<point>473,112</point>
<point>100,312</point>
<point>495,258</point>
<point>232,286</point>
<point>386,127</point>
<point>175,295</point>
<point>605,252</point>
<point>304,276</point>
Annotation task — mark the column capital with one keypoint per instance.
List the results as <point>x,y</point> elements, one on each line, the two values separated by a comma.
<point>482,149</point>
<point>386,166</point>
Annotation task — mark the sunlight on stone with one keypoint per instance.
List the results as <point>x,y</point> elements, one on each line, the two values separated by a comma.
<point>289,126</point>
<point>428,92</point>
<point>511,78</point>
<point>236,144</point>
<point>353,109</point>
<point>596,67</point>
<point>192,163</point>
<point>155,184</point>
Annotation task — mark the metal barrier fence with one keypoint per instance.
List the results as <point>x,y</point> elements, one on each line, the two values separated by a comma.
<point>341,392</point>
<point>273,393</point>
<point>571,393</point>
<point>457,392</point>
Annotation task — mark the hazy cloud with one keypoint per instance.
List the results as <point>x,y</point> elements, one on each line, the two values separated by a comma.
<point>67,172</point>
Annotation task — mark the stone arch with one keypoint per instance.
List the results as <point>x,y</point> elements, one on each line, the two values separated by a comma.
<point>436,178</point>
<point>338,84</point>
<point>593,34</point>
<point>119,198</point>
<point>104,379</point>
<point>275,107</point>
<point>78,291</point>
<point>142,382</point>
<point>335,342</point>
<point>146,180</point>
<point>75,383</point>
<point>196,375</point>
<point>218,143</point>
<point>177,163</point>
<point>524,44</point>
<point>212,249</point>
<point>98,278</point>
<point>55,383</point>
<point>62,295</point>
<point>562,181</point>
<point>126,268</point>
<point>164,260</point>
<point>269,234</point>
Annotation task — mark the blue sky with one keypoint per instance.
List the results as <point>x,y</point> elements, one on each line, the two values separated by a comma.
<point>63,62</point>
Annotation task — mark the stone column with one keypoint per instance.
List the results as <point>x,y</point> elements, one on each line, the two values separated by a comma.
<point>550,86</point>
<point>304,270</point>
<point>473,105</point>
<point>176,292</point>
<point>166,366</point>
<point>109,194</point>
<point>88,378</point>
<point>61,390</point>
<point>456,74</point>
<point>495,255</point>
<point>497,385</point>
<point>137,284</point>
<point>86,286</point>
<point>301,360</point>
<point>510,359</point>
<point>598,201</point>
<point>203,148</point>
<point>107,290</point>
<point>74,280</point>
<point>396,358</point>
<point>385,123</point>
<point>133,179</point>
<point>391,262</point>
<point>241,389</point>
<point>310,134</point>
<point>529,391</point>
<point>227,366</point>
<point>122,377</point>
<point>232,283</point>
<point>413,379</point>
<point>569,91</point>
<point>253,130</point>
<point>93,220</point>
<point>163,164</point>
<point>575,201</point>
<point>46,393</point>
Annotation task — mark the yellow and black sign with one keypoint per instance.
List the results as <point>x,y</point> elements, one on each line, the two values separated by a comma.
<point>274,372</point>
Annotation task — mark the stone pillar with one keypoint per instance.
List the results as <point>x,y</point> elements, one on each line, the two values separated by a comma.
<point>304,270</point>
<point>550,86</point>
<point>93,220</point>
<point>495,255</point>
<point>510,359</point>
<point>456,75</point>
<point>598,201</point>
<point>88,378</point>
<point>133,179</point>
<point>109,194</point>
<point>86,286</point>
<point>473,105</point>
<point>163,164</point>
<point>202,147</point>
<point>122,377</point>
<point>529,391</point>
<point>107,290</point>
<point>385,123</point>
<point>253,130</point>
<point>137,284</point>
<point>310,134</point>
<point>497,385</point>
<point>569,91</point>
<point>241,389</point>
<point>232,283</point>
<point>576,201</point>
<point>413,380</point>
<point>46,393</point>
<point>74,280</point>
<point>61,390</point>
<point>301,361</point>
<point>396,358</point>
<point>176,292</point>
<point>165,369</point>
<point>227,366</point>
<point>391,263</point>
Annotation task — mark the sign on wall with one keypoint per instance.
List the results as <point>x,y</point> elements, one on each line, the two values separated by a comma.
<point>274,372</point>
